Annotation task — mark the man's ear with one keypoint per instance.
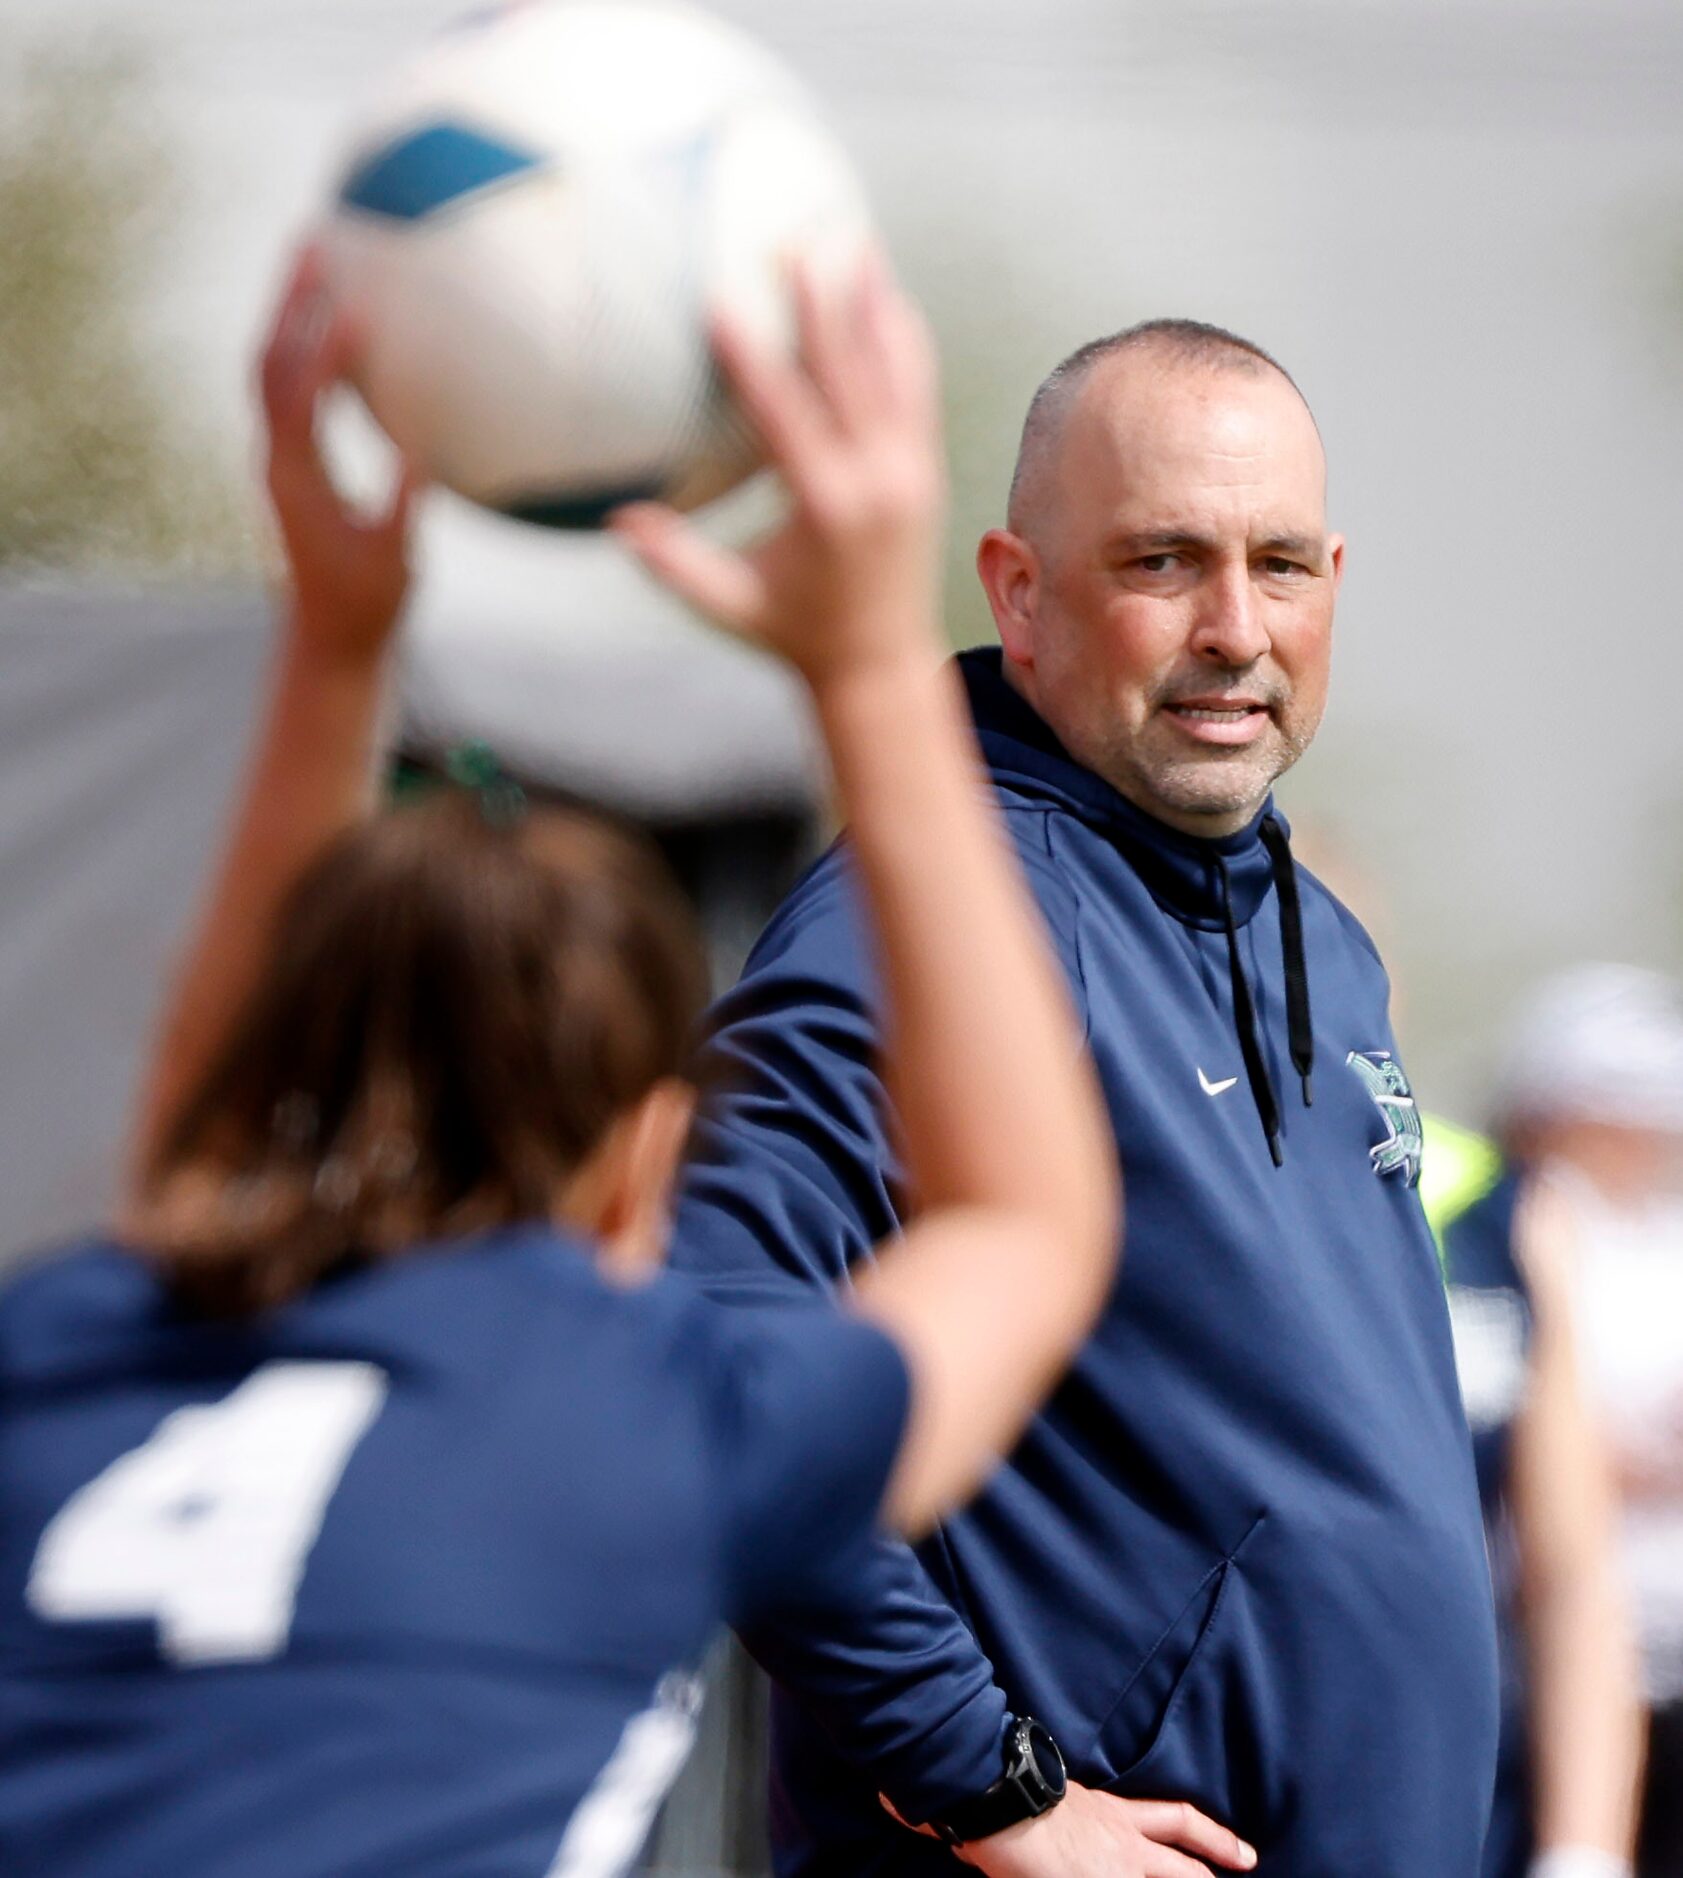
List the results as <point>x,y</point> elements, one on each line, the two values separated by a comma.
<point>623,1193</point>
<point>1335,549</point>
<point>1009,570</point>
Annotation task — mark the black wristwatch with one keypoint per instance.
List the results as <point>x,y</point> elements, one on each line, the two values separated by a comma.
<point>1033,1783</point>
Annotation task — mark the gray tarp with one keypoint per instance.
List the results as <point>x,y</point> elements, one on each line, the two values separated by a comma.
<point>123,712</point>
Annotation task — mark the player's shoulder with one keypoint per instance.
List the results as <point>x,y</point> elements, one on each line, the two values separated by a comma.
<point>804,1406</point>
<point>755,1358</point>
<point>659,1322</point>
<point>527,1285</point>
<point>88,1308</point>
<point>69,1303</point>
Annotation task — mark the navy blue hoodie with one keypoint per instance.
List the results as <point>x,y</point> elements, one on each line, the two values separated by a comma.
<point>1238,1558</point>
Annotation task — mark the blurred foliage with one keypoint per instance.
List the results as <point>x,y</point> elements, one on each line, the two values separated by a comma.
<point>101,462</point>
<point>984,414</point>
<point>996,340</point>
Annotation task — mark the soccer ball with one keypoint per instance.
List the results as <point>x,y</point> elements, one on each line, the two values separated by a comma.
<point>534,226</point>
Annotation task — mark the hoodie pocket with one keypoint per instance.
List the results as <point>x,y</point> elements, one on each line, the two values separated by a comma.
<point>1139,1719</point>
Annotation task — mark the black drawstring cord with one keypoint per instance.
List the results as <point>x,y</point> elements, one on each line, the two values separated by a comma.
<point>1244,1015</point>
<point>1300,1034</point>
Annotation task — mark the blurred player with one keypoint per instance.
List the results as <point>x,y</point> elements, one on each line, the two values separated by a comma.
<point>364,1509</point>
<point>1591,1098</point>
<point>1571,1719</point>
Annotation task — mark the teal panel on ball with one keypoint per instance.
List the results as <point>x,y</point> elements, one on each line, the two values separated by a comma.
<point>429,169</point>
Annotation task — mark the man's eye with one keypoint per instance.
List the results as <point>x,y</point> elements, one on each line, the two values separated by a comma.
<point>1278,564</point>
<point>1157,563</point>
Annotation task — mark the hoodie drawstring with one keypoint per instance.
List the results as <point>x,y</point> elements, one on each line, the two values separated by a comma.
<point>1300,1033</point>
<point>1244,1015</point>
<point>1300,1039</point>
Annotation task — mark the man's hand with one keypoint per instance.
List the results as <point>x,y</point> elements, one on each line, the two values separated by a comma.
<point>1096,1835</point>
<point>849,580</point>
<point>349,576</point>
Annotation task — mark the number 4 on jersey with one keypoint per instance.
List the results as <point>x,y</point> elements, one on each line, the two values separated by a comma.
<point>206,1525</point>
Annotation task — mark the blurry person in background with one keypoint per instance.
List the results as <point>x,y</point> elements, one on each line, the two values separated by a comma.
<point>365,1503</point>
<point>1571,1743</point>
<point>1591,1096</point>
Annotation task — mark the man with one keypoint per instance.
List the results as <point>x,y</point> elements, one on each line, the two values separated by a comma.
<point>1237,1561</point>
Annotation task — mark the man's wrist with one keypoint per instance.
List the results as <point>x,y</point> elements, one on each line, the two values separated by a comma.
<point>1032,1780</point>
<point>1579,1861</point>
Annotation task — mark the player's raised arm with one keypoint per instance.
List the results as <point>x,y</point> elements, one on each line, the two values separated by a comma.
<point>1001,1276</point>
<point>312,770</point>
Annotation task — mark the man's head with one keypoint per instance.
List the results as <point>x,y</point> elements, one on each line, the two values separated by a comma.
<point>1164,588</point>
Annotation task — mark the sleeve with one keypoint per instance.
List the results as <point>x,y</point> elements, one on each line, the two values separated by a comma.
<point>793,1178</point>
<point>811,1408</point>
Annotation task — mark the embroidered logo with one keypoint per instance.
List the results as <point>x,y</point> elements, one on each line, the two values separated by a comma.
<point>1214,1088</point>
<point>1382,1077</point>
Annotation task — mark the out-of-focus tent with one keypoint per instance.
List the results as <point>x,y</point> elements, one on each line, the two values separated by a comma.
<point>122,716</point>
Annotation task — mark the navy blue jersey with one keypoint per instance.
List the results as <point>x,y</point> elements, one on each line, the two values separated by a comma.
<point>1490,1305</point>
<point>410,1575</point>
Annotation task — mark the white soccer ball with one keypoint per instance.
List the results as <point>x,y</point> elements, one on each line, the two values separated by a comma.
<point>534,225</point>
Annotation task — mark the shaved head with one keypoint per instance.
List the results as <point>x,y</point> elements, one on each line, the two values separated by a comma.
<point>1163,343</point>
<point>1164,589</point>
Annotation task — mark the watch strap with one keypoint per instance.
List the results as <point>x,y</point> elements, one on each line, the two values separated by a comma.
<point>1020,1793</point>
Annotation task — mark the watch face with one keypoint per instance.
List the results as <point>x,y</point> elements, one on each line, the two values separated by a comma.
<point>1048,1761</point>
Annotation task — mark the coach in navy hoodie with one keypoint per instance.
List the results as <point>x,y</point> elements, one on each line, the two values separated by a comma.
<point>1238,1559</point>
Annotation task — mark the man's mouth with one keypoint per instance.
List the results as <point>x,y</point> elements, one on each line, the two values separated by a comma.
<point>1226,722</point>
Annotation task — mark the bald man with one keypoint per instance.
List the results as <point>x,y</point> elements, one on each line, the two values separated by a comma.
<point>1234,1577</point>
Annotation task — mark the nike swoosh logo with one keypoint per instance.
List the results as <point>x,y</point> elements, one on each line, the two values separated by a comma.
<point>1214,1088</point>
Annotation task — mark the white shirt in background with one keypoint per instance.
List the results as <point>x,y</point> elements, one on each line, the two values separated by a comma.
<point>1629,1294</point>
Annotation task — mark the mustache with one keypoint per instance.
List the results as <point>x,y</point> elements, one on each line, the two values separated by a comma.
<point>1244,685</point>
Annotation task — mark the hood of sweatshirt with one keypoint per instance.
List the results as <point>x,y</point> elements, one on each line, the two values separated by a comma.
<point>1216,883</point>
<point>1182,872</point>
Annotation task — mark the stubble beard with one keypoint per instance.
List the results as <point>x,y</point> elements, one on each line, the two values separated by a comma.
<point>1217,787</point>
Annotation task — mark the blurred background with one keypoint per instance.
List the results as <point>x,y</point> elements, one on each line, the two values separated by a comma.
<point>1459,223</point>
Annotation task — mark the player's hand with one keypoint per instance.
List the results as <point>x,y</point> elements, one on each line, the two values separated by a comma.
<point>849,580</point>
<point>1097,1835</point>
<point>349,574</point>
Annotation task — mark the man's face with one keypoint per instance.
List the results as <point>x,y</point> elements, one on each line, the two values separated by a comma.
<point>1170,615</point>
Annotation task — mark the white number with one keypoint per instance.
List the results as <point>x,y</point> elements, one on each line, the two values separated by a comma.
<point>206,1525</point>
<point>613,1819</point>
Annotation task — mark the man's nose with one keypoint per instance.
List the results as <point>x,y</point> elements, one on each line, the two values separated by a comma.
<point>1230,629</point>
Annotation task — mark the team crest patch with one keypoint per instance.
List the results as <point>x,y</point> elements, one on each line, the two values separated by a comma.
<point>1382,1077</point>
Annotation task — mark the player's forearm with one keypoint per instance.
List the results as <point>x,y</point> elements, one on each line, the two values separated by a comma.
<point>1011,1168</point>
<point>1585,1711</point>
<point>996,1105</point>
<point>1586,1716</point>
<point>309,777</point>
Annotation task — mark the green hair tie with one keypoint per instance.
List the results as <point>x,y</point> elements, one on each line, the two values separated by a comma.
<point>474,767</point>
